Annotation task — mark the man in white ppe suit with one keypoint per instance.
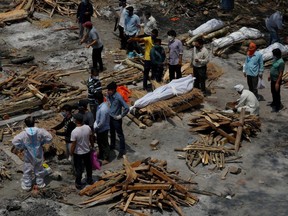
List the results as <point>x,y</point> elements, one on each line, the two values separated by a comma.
<point>31,141</point>
<point>247,100</point>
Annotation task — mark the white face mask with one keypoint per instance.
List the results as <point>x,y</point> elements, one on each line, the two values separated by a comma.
<point>170,38</point>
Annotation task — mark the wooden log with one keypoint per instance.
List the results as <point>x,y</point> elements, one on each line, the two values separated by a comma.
<point>131,196</point>
<point>89,188</point>
<point>38,94</point>
<point>132,64</point>
<point>239,130</point>
<point>139,186</point>
<point>136,121</point>
<point>13,15</point>
<point>217,33</point>
<point>22,60</point>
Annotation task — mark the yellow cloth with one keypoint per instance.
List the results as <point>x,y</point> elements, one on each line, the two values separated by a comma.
<point>148,46</point>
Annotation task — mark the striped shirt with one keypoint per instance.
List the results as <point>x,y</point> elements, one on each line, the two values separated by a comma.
<point>94,85</point>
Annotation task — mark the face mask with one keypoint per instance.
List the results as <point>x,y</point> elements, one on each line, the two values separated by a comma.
<point>94,77</point>
<point>170,38</point>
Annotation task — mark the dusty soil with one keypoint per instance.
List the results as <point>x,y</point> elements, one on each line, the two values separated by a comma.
<point>261,187</point>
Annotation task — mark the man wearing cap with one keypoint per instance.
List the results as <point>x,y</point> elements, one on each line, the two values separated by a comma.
<point>118,109</point>
<point>93,40</point>
<point>82,141</point>
<point>131,28</point>
<point>253,68</point>
<point>247,100</point>
<point>84,14</point>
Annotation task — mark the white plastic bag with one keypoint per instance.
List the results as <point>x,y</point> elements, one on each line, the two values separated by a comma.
<point>261,84</point>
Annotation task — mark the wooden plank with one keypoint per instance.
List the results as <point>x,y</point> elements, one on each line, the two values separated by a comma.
<point>239,130</point>
<point>139,186</point>
<point>131,196</point>
<point>96,184</point>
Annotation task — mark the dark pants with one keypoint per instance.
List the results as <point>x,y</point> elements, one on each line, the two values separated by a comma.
<point>276,97</point>
<point>147,68</point>
<point>103,144</point>
<point>174,69</point>
<point>97,58</point>
<point>157,72</point>
<point>200,73</point>
<point>122,37</point>
<point>93,109</point>
<point>116,126</point>
<point>252,84</point>
<point>78,164</point>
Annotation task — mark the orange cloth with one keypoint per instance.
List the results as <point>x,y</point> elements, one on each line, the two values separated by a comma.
<point>252,49</point>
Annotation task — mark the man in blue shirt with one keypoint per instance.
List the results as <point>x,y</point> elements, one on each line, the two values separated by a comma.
<point>253,68</point>
<point>101,127</point>
<point>116,114</point>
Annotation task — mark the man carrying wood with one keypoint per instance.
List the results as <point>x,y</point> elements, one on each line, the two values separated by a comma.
<point>199,61</point>
<point>102,127</point>
<point>116,114</point>
<point>253,68</point>
<point>84,14</point>
<point>175,55</point>
<point>82,140</point>
<point>148,41</point>
<point>94,41</point>
<point>31,141</point>
<point>247,100</point>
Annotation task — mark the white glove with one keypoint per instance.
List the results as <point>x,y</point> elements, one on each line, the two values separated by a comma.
<point>118,117</point>
<point>95,125</point>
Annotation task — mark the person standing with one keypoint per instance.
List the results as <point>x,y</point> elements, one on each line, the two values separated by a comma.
<point>157,55</point>
<point>199,61</point>
<point>131,29</point>
<point>275,78</point>
<point>247,100</point>
<point>94,41</point>
<point>253,68</point>
<point>150,24</point>
<point>31,141</point>
<point>68,126</point>
<point>175,55</point>
<point>82,140</point>
<point>274,23</point>
<point>116,114</point>
<point>102,127</point>
<point>121,23</point>
<point>84,14</point>
<point>94,86</point>
<point>88,118</point>
<point>148,41</point>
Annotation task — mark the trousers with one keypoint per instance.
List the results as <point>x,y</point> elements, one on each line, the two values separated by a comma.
<point>78,164</point>
<point>116,127</point>
<point>97,58</point>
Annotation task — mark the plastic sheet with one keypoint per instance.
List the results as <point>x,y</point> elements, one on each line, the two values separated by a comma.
<point>209,26</point>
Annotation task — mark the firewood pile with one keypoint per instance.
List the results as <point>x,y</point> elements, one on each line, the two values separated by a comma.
<point>165,108</point>
<point>146,184</point>
<point>217,131</point>
<point>33,89</point>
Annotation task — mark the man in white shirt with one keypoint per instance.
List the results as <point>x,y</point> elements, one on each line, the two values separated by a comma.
<point>247,100</point>
<point>150,24</point>
<point>121,23</point>
<point>82,140</point>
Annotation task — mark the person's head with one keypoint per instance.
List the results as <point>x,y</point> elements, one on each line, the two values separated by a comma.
<point>171,35</point>
<point>78,118</point>
<point>85,1</point>
<point>157,41</point>
<point>154,33</point>
<point>147,14</point>
<point>111,87</point>
<point>66,110</point>
<point>130,10</point>
<point>122,3</point>
<point>239,88</point>
<point>277,54</point>
<point>29,121</point>
<point>98,96</point>
<point>82,106</point>
<point>88,25</point>
<point>199,43</point>
<point>94,72</point>
<point>251,49</point>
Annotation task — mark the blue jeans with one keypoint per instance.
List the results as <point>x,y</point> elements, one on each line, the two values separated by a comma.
<point>116,126</point>
<point>274,37</point>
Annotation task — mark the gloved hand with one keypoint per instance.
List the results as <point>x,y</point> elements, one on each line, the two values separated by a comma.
<point>118,117</point>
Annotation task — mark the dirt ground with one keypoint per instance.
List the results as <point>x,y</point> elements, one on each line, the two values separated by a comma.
<point>260,189</point>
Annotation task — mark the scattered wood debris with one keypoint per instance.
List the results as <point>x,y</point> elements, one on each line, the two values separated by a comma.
<point>217,130</point>
<point>141,184</point>
<point>4,173</point>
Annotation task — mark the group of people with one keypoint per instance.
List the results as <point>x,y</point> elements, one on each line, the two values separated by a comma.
<point>79,129</point>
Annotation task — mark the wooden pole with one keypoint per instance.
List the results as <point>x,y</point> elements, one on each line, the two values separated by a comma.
<point>239,130</point>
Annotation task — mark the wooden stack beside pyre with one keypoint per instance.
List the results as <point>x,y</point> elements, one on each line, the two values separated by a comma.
<point>218,131</point>
<point>142,184</point>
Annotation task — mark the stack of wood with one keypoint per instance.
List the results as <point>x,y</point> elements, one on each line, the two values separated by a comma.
<point>33,89</point>
<point>285,78</point>
<point>217,130</point>
<point>166,108</point>
<point>140,185</point>
<point>4,173</point>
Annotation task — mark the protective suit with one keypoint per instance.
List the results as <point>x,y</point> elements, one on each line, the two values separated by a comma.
<point>31,140</point>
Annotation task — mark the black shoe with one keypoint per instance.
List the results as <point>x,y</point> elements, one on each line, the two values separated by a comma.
<point>120,156</point>
<point>89,181</point>
<point>79,186</point>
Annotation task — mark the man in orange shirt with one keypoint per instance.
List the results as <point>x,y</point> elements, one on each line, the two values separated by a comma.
<point>148,41</point>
